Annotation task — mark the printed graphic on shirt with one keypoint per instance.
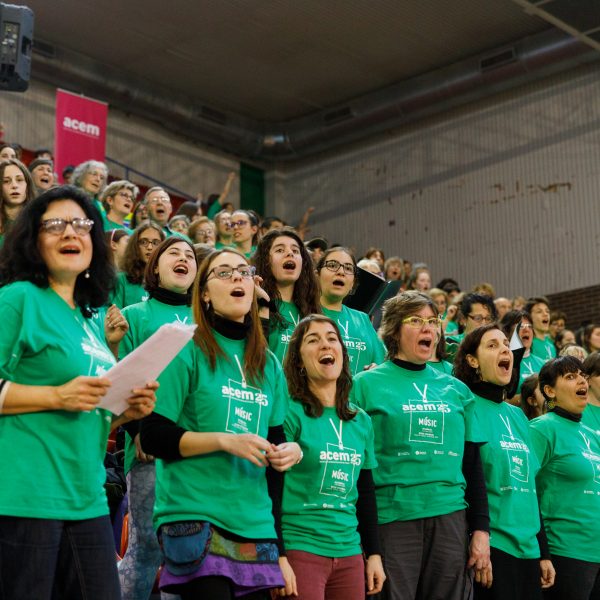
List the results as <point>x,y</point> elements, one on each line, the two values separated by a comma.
<point>338,465</point>
<point>517,453</point>
<point>592,456</point>
<point>245,406</point>
<point>286,335</point>
<point>354,346</point>
<point>97,353</point>
<point>427,418</point>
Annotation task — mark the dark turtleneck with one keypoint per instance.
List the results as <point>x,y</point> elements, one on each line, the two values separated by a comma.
<point>404,364</point>
<point>565,414</point>
<point>230,329</point>
<point>171,298</point>
<point>489,391</point>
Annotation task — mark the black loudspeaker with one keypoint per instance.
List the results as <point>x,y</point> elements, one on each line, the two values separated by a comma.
<point>16,40</point>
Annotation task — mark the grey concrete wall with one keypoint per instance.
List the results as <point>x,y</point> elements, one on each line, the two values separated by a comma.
<point>502,191</point>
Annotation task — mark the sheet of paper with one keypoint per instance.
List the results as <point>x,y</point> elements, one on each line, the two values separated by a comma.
<point>515,341</point>
<point>144,364</point>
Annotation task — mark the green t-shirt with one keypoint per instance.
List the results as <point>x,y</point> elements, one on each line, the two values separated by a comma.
<point>530,365</point>
<point>170,233</point>
<point>569,485</point>
<point>510,467</point>
<point>452,344</point>
<point>222,246</point>
<point>281,334</point>
<point>127,293</point>
<point>543,349</point>
<point>320,494</point>
<point>421,421</point>
<point>591,417</point>
<point>451,327</point>
<point>110,225</point>
<point>144,319</point>
<point>443,366</point>
<point>359,336</point>
<point>223,489</point>
<point>53,460</point>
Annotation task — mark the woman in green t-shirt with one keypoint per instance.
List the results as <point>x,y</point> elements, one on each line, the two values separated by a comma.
<point>217,424</point>
<point>168,279</point>
<point>569,480</point>
<point>244,225</point>
<point>129,287</point>
<point>288,277</point>
<point>530,364</point>
<point>336,271</point>
<point>484,362</point>
<point>55,273</point>
<point>329,497</point>
<point>428,480</point>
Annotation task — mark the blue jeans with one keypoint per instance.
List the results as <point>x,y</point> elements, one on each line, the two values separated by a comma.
<point>49,559</point>
<point>137,570</point>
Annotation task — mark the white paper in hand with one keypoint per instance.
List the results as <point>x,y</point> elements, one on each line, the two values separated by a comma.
<point>144,364</point>
<point>515,341</point>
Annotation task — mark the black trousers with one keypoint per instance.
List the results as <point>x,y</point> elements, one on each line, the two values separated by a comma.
<point>514,578</point>
<point>575,580</point>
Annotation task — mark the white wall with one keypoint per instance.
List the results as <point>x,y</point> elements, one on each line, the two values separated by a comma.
<point>504,191</point>
<point>28,119</point>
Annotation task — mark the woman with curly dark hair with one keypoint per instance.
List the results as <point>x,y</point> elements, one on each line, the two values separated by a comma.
<point>288,277</point>
<point>55,532</point>
<point>129,287</point>
<point>329,508</point>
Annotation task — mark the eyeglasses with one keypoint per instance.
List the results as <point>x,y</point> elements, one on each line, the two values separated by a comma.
<point>205,233</point>
<point>227,272</point>
<point>159,200</point>
<point>240,223</point>
<point>481,319</point>
<point>525,326</point>
<point>125,195</point>
<point>419,322</point>
<point>334,265</point>
<point>146,243</point>
<point>58,226</point>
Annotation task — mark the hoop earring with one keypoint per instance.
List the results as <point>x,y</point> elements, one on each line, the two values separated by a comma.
<point>551,403</point>
<point>302,371</point>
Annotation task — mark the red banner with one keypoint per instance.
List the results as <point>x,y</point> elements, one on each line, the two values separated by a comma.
<point>80,131</point>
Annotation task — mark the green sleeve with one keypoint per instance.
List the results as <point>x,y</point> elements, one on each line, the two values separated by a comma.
<point>541,444</point>
<point>292,426</point>
<point>214,208</point>
<point>127,345</point>
<point>11,343</point>
<point>370,460</point>
<point>280,395</point>
<point>175,384</point>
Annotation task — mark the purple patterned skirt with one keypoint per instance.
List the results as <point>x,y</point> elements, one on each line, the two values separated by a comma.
<point>250,566</point>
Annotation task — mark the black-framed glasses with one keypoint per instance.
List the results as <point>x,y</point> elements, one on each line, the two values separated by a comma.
<point>147,243</point>
<point>334,266</point>
<point>225,272</point>
<point>240,223</point>
<point>58,226</point>
<point>479,319</point>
